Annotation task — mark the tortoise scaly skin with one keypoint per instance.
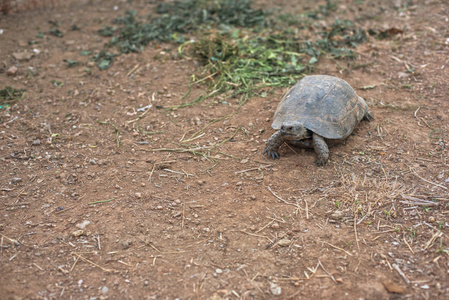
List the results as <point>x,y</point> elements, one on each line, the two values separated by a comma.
<point>316,111</point>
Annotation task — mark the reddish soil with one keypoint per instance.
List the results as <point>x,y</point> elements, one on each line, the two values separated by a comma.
<point>213,225</point>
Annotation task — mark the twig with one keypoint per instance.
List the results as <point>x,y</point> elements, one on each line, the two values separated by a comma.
<point>269,223</point>
<point>432,239</point>
<point>355,231</point>
<point>252,169</point>
<point>436,184</point>
<point>91,262</point>
<point>151,173</point>
<point>286,202</point>
<point>408,245</point>
<point>307,209</point>
<point>407,281</point>
<point>176,172</point>
<point>183,215</point>
<point>338,248</point>
<point>139,117</point>
<point>417,201</point>
<point>13,241</point>
<point>133,70</point>
<point>330,275</point>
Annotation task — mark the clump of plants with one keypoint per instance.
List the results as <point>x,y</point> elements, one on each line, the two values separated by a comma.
<point>242,50</point>
<point>9,95</point>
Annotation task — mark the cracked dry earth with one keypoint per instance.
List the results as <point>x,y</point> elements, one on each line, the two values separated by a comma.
<point>97,200</point>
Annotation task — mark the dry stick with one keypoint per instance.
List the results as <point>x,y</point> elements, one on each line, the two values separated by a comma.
<point>432,239</point>
<point>407,281</point>
<point>286,202</point>
<point>255,276</point>
<point>436,184</point>
<point>417,201</point>
<point>386,259</point>
<point>138,118</point>
<point>149,244</point>
<point>18,204</point>
<point>252,169</point>
<point>92,263</point>
<point>421,118</point>
<point>330,275</point>
<point>13,241</point>
<point>133,70</point>
<point>338,248</point>
<point>151,173</point>
<point>405,240</point>
<point>434,228</point>
<point>99,244</point>
<point>307,209</point>
<point>269,223</point>
<point>183,215</point>
<point>74,264</point>
<point>355,231</point>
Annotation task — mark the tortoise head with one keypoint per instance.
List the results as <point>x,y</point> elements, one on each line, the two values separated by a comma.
<point>295,131</point>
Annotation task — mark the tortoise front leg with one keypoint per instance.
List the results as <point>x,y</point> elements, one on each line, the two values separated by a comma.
<point>273,144</point>
<point>321,149</point>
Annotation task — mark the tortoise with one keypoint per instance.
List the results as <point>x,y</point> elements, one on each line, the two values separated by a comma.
<point>316,110</point>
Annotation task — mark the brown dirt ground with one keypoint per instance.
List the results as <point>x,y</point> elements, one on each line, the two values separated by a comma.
<point>210,227</point>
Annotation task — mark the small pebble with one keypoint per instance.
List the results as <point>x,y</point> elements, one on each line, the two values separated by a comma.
<point>83,224</point>
<point>16,180</point>
<point>77,233</point>
<point>159,207</point>
<point>126,244</point>
<point>218,271</point>
<point>275,289</point>
<point>275,225</point>
<point>337,215</point>
<point>284,242</point>
<point>138,195</point>
<point>104,289</point>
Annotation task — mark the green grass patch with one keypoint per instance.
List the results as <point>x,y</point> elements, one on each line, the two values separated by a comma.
<point>10,95</point>
<point>242,51</point>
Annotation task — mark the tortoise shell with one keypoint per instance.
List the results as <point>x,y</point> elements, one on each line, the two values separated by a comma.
<point>325,105</point>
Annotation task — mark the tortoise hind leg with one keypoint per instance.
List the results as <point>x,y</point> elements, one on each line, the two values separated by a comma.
<point>368,116</point>
<point>321,149</point>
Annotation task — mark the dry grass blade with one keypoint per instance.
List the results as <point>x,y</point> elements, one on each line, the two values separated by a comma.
<point>92,263</point>
<point>286,202</point>
<point>432,239</point>
<point>406,280</point>
<point>13,241</point>
<point>252,169</point>
<point>338,248</point>
<point>428,181</point>
<point>417,201</point>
